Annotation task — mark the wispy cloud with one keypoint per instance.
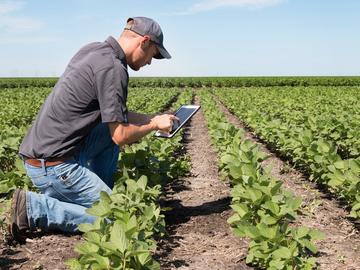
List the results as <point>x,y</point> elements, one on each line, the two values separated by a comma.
<point>208,5</point>
<point>15,23</point>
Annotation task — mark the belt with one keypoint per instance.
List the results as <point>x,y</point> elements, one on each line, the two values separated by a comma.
<point>47,163</point>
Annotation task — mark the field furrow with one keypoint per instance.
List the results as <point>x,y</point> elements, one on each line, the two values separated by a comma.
<point>199,236</point>
<point>337,250</point>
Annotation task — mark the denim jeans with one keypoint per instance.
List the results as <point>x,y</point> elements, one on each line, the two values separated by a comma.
<point>69,188</point>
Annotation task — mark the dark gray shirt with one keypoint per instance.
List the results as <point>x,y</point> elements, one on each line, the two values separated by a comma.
<point>93,89</point>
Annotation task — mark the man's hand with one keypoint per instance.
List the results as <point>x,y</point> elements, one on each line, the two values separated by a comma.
<point>122,133</point>
<point>164,122</point>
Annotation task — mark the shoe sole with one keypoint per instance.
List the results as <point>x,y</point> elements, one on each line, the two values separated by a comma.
<point>13,228</point>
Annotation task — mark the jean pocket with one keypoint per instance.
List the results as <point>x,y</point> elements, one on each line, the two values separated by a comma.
<point>42,183</point>
<point>66,172</point>
<point>34,172</point>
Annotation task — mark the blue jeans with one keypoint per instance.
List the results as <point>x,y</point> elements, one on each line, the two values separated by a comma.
<point>69,188</point>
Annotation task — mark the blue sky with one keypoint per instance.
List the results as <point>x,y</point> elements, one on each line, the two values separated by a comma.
<point>205,37</point>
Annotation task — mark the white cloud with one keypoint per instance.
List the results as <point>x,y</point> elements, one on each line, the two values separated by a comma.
<point>207,5</point>
<point>10,6</point>
<point>14,23</point>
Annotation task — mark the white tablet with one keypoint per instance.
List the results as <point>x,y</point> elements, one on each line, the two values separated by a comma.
<point>184,113</point>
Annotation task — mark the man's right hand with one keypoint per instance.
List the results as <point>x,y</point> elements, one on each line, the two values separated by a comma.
<point>127,133</point>
<point>164,122</point>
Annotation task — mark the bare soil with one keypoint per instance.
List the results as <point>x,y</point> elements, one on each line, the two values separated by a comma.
<point>199,236</point>
<point>341,247</point>
<point>45,252</point>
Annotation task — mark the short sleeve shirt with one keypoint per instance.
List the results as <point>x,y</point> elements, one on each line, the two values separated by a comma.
<point>93,89</point>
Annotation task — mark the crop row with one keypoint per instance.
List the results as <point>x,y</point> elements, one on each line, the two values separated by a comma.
<point>331,113</point>
<point>315,128</point>
<point>200,81</point>
<point>18,109</point>
<point>263,210</point>
<point>128,220</point>
<point>132,208</point>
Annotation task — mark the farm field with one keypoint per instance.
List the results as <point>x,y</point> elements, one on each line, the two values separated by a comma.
<point>265,176</point>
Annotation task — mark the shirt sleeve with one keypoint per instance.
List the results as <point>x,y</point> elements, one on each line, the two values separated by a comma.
<point>111,88</point>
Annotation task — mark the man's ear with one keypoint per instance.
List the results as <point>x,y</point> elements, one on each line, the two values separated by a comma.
<point>145,41</point>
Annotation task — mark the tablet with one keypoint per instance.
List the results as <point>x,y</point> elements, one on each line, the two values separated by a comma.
<point>184,113</point>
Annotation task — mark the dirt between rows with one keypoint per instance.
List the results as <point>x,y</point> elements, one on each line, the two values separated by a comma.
<point>199,236</point>
<point>45,252</point>
<point>341,247</point>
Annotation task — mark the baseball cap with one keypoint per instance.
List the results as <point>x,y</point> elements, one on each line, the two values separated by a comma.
<point>146,26</point>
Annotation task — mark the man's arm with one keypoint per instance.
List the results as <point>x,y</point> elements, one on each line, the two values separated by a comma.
<point>136,118</point>
<point>127,133</point>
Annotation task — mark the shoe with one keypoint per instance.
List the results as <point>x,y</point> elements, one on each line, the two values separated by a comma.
<point>18,225</point>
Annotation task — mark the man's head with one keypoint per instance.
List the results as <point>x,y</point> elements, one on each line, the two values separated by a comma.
<point>141,41</point>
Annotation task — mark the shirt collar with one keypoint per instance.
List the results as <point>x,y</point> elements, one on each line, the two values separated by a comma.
<point>117,49</point>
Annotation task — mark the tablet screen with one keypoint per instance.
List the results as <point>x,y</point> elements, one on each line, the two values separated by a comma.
<point>184,113</point>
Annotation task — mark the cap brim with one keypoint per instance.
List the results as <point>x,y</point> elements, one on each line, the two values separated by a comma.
<point>163,53</point>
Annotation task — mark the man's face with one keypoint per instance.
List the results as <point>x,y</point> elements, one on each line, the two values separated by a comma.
<point>143,55</point>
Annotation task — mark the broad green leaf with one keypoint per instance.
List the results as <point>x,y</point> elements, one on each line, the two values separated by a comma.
<point>335,182</point>
<point>74,264</point>
<point>104,196</point>
<point>241,209</point>
<point>100,209</point>
<point>310,246</point>
<point>118,236</point>
<point>233,219</point>
<point>85,227</point>
<point>144,257</point>
<point>93,237</point>
<point>276,264</point>
<point>282,253</point>
<point>101,262</point>
<point>267,231</point>
<point>339,165</point>
<point>254,194</point>
<point>251,232</point>
<point>226,159</point>
<point>302,232</point>
<point>268,220</point>
<point>142,182</point>
<point>273,207</point>
<point>86,248</point>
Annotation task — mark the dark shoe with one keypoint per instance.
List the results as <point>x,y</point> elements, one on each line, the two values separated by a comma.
<point>18,225</point>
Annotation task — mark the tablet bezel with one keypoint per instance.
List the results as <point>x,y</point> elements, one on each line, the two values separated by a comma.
<point>163,135</point>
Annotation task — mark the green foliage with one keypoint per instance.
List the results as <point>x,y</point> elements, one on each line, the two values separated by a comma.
<point>263,210</point>
<point>197,82</point>
<point>18,109</point>
<point>316,128</point>
<point>168,82</point>
<point>127,220</point>
<point>122,235</point>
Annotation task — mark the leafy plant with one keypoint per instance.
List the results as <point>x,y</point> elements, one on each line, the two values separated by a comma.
<point>263,211</point>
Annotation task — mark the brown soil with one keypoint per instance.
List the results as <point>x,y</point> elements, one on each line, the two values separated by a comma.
<point>341,247</point>
<point>199,236</point>
<point>46,252</point>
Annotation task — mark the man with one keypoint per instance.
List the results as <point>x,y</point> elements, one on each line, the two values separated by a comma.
<point>71,151</point>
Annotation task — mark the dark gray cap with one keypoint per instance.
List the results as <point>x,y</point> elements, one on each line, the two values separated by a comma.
<point>146,26</point>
